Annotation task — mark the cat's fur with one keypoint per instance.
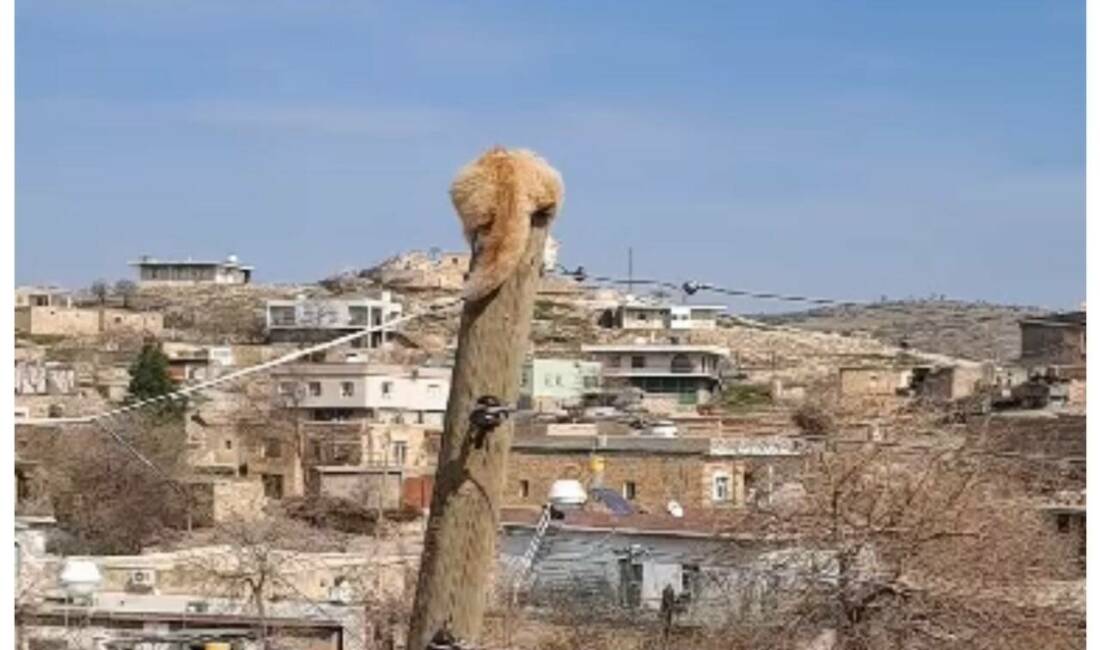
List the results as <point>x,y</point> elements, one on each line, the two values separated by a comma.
<point>495,197</point>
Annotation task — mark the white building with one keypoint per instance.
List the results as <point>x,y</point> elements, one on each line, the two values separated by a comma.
<point>689,373</point>
<point>354,390</point>
<point>637,315</point>
<point>152,272</point>
<point>323,319</point>
<point>42,297</point>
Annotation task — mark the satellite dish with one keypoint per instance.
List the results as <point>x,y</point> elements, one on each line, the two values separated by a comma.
<point>567,493</point>
<point>675,509</point>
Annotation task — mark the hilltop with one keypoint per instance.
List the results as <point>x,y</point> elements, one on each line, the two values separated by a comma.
<point>970,330</point>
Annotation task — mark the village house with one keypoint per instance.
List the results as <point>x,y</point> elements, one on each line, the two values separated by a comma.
<point>698,473</point>
<point>676,373</point>
<point>42,297</point>
<point>634,314</point>
<point>192,597</point>
<point>357,390</point>
<point>892,384</point>
<point>386,465</point>
<point>311,320</point>
<point>616,566</point>
<point>74,321</point>
<point>154,272</point>
<point>1053,340</point>
<point>44,378</point>
<point>189,362</point>
<point>553,384</point>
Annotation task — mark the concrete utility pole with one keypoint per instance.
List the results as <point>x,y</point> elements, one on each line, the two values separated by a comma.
<point>459,546</point>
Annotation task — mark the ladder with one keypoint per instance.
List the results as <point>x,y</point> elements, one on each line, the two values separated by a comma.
<point>523,572</point>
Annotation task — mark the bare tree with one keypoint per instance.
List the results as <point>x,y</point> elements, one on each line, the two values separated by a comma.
<point>100,291</point>
<point>108,500</point>
<point>126,289</point>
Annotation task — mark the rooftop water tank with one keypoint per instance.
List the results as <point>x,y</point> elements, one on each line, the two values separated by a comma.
<point>567,494</point>
<point>80,578</point>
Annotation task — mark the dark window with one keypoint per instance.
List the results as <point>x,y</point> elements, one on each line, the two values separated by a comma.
<point>637,361</point>
<point>1063,523</point>
<point>630,490</point>
<point>228,444</point>
<point>524,489</point>
<point>273,485</point>
<point>273,448</point>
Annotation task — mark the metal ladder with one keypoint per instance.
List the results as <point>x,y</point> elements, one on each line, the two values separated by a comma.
<point>523,572</point>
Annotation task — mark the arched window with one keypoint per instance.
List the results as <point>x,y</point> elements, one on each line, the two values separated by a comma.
<point>681,363</point>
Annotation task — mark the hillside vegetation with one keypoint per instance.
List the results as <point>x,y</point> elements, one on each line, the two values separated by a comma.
<point>971,330</point>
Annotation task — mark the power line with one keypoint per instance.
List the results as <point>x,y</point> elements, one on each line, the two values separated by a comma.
<point>244,372</point>
<point>101,418</point>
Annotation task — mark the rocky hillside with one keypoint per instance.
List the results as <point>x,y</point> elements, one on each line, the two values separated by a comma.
<point>977,331</point>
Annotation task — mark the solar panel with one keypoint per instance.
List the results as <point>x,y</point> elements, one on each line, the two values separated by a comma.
<point>613,500</point>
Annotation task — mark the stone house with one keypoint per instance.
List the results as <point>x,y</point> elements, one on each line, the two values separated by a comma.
<point>42,297</point>
<point>698,473</point>
<point>153,272</point>
<point>1053,340</point>
<point>875,381</point>
<point>44,378</point>
<point>73,321</point>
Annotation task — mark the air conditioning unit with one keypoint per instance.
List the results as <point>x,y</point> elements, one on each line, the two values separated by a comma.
<point>142,580</point>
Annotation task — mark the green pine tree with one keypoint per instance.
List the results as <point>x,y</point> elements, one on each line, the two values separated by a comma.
<point>149,378</point>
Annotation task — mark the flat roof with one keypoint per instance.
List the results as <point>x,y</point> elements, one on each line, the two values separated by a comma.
<point>362,369</point>
<point>224,263</point>
<point>692,445</point>
<point>659,347</point>
<point>1057,319</point>
<point>663,307</point>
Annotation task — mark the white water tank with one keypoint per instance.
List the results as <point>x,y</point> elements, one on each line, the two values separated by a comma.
<point>567,494</point>
<point>80,578</point>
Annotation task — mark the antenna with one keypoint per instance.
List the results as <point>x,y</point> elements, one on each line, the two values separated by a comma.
<point>630,270</point>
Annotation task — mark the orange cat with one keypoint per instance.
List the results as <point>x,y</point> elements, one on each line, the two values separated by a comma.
<point>495,197</point>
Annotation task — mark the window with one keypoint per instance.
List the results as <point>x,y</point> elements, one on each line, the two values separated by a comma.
<point>524,489</point>
<point>228,444</point>
<point>630,490</point>
<point>347,389</point>
<point>546,380</point>
<point>359,315</point>
<point>689,579</point>
<point>433,390</point>
<point>273,448</point>
<point>314,389</point>
<point>400,452</point>
<point>273,485</point>
<point>721,487</point>
<point>286,388</point>
<point>282,316</point>
<point>614,361</point>
<point>557,380</point>
<point>591,382</point>
<point>637,361</point>
<point>387,389</point>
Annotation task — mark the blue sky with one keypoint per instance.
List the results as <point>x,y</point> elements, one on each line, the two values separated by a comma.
<point>842,149</point>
